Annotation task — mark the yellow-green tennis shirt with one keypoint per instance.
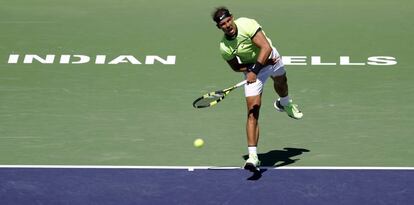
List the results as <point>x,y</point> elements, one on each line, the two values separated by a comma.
<point>242,46</point>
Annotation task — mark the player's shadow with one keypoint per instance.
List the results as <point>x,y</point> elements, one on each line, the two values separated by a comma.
<point>276,158</point>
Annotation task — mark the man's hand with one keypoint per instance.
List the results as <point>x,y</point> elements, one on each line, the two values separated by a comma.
<point>251,77</point>
<point>273,60</point>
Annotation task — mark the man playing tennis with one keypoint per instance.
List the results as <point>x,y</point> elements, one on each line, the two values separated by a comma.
<point>247,49</point>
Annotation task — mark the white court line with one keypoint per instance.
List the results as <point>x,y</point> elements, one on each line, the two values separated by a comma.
<point>201,167</point>
<point>27,22</point>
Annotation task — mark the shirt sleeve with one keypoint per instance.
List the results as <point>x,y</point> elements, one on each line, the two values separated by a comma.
<point>252,27</point>
<point>226,52</point>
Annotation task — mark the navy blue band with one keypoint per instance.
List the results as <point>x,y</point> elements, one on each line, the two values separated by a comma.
<point>226,14</point>
<point>256,68</point>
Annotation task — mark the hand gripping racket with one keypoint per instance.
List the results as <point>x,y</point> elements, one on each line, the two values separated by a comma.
<point>213,98</point>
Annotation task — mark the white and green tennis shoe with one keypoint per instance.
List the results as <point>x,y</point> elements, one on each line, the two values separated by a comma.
<point>291,109</point>
<point>252,163</point>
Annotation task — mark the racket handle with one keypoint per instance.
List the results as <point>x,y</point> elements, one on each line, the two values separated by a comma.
<point>241,83</point>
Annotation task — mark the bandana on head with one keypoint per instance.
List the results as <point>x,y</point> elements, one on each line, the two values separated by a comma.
<point>226,14</point>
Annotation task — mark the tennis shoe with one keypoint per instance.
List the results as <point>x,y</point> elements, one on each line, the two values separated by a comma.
<point>291,109</point>
<point>252,163</point>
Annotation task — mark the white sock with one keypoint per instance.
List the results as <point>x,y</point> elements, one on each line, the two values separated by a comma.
<point>285,100</point>
<point>252,150</point>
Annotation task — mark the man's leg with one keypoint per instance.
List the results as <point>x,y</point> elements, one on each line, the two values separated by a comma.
<point>284,103</point>
<point>280,85</point>
<point>252,131</point>
<point>252,125</point>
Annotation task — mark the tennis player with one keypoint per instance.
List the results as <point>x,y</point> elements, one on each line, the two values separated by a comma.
<point>247,49</point>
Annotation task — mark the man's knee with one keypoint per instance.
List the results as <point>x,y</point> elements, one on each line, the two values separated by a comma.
<point>253,113</point>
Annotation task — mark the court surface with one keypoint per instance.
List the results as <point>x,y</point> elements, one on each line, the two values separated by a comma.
<point>205,186</point>
<point>96,113</point>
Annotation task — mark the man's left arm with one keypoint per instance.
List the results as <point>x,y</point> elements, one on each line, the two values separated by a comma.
<point>260,40</point>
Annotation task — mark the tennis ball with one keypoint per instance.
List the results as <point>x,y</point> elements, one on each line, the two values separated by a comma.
<point>198,143</point>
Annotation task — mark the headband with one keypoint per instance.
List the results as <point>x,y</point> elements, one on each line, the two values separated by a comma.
<point>226,14</point>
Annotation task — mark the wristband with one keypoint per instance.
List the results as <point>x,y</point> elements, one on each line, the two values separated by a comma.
<point>256,68</point>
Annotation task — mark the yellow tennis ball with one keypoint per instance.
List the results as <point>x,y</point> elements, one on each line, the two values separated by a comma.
<point>198,143</point>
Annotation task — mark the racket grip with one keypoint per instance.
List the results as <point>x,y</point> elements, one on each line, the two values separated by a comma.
<point>241,83</point>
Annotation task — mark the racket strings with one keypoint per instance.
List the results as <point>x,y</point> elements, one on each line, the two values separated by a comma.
<point>207,100</point>
<point>213,98</point>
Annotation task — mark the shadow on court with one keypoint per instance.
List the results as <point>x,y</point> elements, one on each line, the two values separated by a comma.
<point>276,158</point>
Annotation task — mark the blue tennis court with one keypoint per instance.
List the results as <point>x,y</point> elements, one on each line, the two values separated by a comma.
<point>205,186</point>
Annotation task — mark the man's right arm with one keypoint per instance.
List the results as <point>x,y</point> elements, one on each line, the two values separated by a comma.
<point>236,66</point>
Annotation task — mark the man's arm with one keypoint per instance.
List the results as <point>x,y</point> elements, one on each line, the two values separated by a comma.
<point>236,66</point>
<point>265,49</point>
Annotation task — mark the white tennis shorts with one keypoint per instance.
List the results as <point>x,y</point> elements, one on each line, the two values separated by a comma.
<point>256,88</point>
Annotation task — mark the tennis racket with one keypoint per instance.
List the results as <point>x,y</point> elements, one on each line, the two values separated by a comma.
<point>213,98</point>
